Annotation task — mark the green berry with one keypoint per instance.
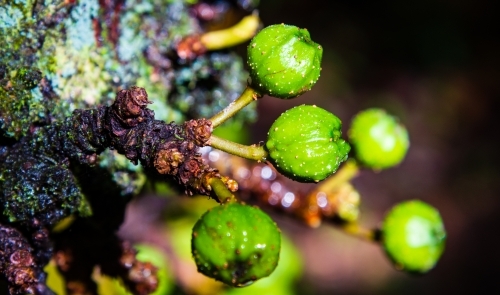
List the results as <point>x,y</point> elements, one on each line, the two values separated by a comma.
<point>305,143</point>
<point>236,244</point>
<point>413,236</point>
<point>379,141</point>
<point>284,61</point>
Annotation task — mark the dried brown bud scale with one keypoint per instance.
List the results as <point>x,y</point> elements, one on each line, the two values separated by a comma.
<point>22,270</point>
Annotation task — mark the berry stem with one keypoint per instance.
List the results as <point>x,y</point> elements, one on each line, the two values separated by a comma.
<point>253,152</point>
<point>245,99</point>
<point>220,189</point>
<point>348,171</point>
<point>239,33</point>
<point>354,229</point>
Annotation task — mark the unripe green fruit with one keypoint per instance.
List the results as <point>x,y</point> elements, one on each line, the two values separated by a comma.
<point>236,244</point>
<point>304,143</point>
<point>284,61</point>
<point>379,141</point>
<point>413,236</point>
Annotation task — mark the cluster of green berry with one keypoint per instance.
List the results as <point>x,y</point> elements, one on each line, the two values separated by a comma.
<point>237,243</point>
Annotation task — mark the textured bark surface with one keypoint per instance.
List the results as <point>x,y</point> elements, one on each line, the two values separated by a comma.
<point>68,149</point>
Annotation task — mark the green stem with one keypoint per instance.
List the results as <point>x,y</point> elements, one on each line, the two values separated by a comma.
<point>220,190</point>
<point>348,171</point>
<point>239,33</point>
<point>253,152</point>
<point>245,99</point>
<point>354,229</point>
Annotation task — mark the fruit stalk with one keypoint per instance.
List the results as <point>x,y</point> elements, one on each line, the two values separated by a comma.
<point>253,152</point>
<point>345,173</point>
<point>220,189</point>
<point>239,33</point>
<point>193,46</point>
<point>248,96</point>
<point>354,229</point>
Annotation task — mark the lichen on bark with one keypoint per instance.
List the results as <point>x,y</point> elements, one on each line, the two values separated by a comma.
<point>80,53</point>
<point>61,65</point>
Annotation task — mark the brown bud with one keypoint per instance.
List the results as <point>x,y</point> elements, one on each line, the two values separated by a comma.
<point>63,260</point>
<point>91,159</point>
<point>141,277</point>
<point>191,170</point>
<point>190,47</point>
<point>22,258</point>
<point>192,166</point>
<point>168,160</point>
<point>23,275</point>
<point>130,105</point>
<point>231,184</point>
<point>199,131</point>
<point>128,256</point>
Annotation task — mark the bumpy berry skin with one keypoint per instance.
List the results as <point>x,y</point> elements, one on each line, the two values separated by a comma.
<point>379,141</point>
<point>236,244</point>
<point>305,143</point>
<point>284,61</point>
<point>413,236</point>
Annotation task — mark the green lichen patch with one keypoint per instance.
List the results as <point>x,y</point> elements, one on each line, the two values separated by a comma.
<point>25,99</point>
<point>21,102</point>
<point>79,71</point>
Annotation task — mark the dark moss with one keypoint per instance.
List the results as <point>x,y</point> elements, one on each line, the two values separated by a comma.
<point>210,83</point>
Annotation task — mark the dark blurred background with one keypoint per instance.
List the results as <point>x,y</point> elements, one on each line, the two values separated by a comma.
<point>436,65</point>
